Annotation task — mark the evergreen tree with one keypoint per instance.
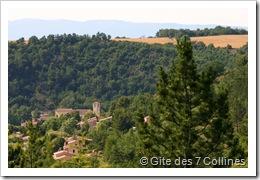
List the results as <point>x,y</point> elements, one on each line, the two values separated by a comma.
<point>190,119</point>
<point>47,152</point>
<point>33,145</point>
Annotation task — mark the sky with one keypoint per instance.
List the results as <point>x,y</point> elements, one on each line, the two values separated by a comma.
<point>134,12</point>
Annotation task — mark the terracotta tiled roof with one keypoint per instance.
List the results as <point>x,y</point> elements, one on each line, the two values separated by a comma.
<point>62,154</point>
<point>82,112</point>
<point>64,110</point>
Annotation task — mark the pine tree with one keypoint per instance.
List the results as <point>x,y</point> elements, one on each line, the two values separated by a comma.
<point>33,151</point>
<point>190,119</point>
<point>32,144</point>
<point>47,151</point>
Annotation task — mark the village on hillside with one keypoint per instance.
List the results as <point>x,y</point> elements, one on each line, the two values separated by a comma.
<point>72,144</point>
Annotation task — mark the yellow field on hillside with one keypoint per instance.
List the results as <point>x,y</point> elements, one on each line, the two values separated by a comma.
<point>236,41</point>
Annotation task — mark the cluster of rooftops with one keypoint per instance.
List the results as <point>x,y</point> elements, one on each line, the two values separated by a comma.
<point>82,112</point>
<point>72,145</point>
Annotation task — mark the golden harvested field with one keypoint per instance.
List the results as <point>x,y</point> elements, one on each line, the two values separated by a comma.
<point>236,41</point>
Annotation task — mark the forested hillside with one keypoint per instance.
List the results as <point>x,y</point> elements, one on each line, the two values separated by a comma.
<point>176,102</point>
<point>71,70</point>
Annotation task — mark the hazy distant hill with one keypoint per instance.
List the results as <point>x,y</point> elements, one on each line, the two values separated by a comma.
<point>29,27</point>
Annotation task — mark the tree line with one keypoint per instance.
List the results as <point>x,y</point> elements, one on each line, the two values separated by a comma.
<point>218,30</point>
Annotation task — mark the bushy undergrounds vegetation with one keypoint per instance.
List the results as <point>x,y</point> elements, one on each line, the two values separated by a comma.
<point>194,95</point>
<point>218,30</point>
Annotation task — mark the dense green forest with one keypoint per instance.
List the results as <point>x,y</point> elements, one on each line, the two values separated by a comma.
<point>195,97</point>
<point>71,70</point>
<point>218,30</point>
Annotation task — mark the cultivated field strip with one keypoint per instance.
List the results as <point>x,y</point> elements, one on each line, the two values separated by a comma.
<point>236,41</point>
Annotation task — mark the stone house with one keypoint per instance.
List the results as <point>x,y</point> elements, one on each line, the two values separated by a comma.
<point>63,111</point>
<point>44,116</point>
<point>72,146</point>
<point>61,155</point>
<point>94,121</point>
<point>34,122</point>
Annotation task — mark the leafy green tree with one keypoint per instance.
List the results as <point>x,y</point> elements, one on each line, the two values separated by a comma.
<point>99,135</point>
<point>35,114</point>
<point>121,150</point>
<point>88,115</point>
<point>122,102</point>
<point>122,120</point>
<point>78,161</point>
<point>69,126</point>
<point>53,124</point>
<point>14,155</point>
<point>84,129</point>
<point>58,143</point>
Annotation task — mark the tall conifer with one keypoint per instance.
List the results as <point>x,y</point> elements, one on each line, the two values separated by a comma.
<point>190,119</point>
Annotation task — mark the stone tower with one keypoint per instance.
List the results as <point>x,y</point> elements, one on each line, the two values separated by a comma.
<point>96,108</point>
